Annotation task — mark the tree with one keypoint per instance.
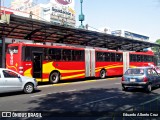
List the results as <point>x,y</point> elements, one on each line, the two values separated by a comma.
<point>156,49</point>
<point>158,41</point>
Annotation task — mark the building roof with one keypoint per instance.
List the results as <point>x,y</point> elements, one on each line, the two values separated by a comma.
<point>41,31</point>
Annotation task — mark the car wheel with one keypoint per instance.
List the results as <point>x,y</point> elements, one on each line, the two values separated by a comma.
<point>149,88</point>
<point>102,74</point>
<point>124,88</point>
<point>28,88</point>
<point>54,77</point>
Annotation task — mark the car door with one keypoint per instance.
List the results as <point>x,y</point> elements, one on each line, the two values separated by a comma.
<point>150,75</point>
<point>1,83</point>
<point>12,81</point>
<point>155,77</point>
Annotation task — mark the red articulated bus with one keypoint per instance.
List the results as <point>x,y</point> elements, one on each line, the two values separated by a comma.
<point>62,62</point>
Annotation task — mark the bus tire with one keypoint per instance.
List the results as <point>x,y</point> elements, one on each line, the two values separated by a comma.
<point>54,77</point>
<point>102,74</point>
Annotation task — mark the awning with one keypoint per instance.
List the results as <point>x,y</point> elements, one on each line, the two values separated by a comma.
<point>41,31</point>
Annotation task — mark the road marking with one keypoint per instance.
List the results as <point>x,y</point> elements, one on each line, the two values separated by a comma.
<point>96,101</point>
<point>81,82</point>
<point>111,78</point>
<point>39,95</point>
<point>117,83</point>
<point>43,86</point>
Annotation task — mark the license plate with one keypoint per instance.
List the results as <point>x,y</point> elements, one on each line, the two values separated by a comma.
<point>132,80</point>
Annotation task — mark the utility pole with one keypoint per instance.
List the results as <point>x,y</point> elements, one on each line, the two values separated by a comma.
<point>0,10</point>
<point>81,16</point>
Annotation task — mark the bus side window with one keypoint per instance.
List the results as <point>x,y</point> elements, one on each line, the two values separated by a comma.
<point>28,58</point>
<point>107,57</point>
<point>118,57</point>
<point>55,54</point>
<point>66,55</point>
<point>77,55</point>
<point>112,57</point>
<point>139,58</point>
<point>27,53</point>
<point>48,57</point>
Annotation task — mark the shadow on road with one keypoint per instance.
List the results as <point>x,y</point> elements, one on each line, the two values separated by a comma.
<point>87,104</point>
<point>76,80</point>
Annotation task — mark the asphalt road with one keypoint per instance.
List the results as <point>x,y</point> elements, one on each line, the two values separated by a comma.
<point>79,99</point>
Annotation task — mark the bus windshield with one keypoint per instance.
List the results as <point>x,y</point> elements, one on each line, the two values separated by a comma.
<point>13,50</point>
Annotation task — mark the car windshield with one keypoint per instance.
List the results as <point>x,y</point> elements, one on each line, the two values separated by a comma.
<point>136,71</point>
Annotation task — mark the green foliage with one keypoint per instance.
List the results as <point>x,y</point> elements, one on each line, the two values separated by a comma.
<point>155,49</point>
<point>158,41</point>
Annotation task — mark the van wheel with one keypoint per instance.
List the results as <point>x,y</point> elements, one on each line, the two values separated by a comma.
<point>28,88</point>
<point>148,88</point>
<point>102,74</point>
<point>54,77</point>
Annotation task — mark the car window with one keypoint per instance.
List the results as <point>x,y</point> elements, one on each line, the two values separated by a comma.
<point>9,74</point>
<point>149,71</point>
<point>134,72</point>
<point>154,72</point>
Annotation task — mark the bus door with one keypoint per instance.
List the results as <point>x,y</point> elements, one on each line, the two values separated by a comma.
<point>89,62</point>
<point>125,61</point>
<point>37,64</point>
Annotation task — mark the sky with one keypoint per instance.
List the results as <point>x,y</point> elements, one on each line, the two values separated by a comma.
<point>137,16</point>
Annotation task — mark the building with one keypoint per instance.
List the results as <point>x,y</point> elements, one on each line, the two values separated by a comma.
<point>130,35</point>
<point>60,13</point>
<point>55,11</point>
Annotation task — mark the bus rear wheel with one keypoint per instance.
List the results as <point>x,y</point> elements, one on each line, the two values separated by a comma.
<point>54,77</point>
<point>102,74</point>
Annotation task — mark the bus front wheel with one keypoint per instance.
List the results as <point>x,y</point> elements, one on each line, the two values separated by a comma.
<point>54,77</point>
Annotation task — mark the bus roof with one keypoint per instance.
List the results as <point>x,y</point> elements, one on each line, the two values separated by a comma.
<point>78,47</point>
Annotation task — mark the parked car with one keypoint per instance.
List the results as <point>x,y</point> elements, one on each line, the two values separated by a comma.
<point>11,81</point>
<point>141,77</point>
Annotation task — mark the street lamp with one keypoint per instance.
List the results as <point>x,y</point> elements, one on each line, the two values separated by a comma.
<point>81,16</point>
